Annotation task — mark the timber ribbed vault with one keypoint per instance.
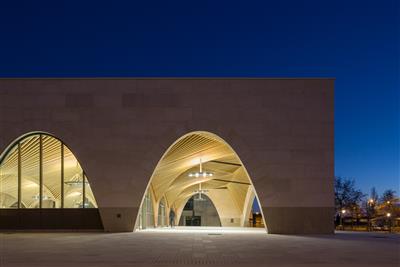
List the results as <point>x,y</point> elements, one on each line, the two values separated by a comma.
<point>229,188</point>
<point>40,171</point>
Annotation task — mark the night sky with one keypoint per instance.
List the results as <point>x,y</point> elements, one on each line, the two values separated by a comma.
<point>357,42</point>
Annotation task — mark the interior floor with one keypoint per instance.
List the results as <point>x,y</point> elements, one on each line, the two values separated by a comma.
<point>205,229</point>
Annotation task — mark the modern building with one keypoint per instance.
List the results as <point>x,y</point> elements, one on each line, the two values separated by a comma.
<point>119,154</point>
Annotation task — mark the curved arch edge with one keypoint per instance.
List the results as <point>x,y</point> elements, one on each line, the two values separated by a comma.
<point>245,213</point>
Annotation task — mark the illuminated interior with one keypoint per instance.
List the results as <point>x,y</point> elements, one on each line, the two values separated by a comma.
<point>198,164</point>
<point>40,171</point>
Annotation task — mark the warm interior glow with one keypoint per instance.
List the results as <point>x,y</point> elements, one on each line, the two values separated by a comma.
<point>25,159</point>
<point>202,163</point>
<point>74,194</point>
<point>208,230</point>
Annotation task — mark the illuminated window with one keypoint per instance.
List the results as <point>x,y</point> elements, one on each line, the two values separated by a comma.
<point>9,180</point>
<point>39,171</point>
<point>147,213</point>
<point>30,172</point>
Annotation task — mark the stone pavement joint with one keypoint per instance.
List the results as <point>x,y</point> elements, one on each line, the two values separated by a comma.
<point>168,248</point>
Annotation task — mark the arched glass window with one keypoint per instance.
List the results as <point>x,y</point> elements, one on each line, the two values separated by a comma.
<point>39,171</point>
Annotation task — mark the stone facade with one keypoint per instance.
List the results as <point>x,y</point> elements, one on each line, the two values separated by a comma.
<point>282,130</point>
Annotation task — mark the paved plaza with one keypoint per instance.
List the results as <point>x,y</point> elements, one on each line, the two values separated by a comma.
<point>186,247</point>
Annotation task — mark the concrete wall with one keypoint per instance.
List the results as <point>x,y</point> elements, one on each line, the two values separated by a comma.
<point>50,219</point>
<point>282,130</point>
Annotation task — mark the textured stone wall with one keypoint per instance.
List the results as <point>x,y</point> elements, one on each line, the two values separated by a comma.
<point>282,130</point>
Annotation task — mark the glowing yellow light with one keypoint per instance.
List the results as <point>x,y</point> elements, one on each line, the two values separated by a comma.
<point>343,211</point>
<point>30,185</point>
<point>388,214</point>
<point>206,229</point>
<point>74,194</point>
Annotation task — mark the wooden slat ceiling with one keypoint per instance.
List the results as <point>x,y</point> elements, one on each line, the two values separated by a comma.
<point>170,179</point>
<point>30,171</point>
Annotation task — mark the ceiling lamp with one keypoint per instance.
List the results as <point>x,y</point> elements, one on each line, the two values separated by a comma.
<point>200,191</point>
<point>200,173</point>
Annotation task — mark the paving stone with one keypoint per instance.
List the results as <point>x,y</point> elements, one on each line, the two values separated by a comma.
<point>169,248</point>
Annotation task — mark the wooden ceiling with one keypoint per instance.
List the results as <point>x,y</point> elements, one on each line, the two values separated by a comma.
<point>171,181</point>
<point>30,162</point>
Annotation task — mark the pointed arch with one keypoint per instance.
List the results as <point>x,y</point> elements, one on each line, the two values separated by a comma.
<point>206,205</point>
<point>230,188</point>
<point>38,170</point>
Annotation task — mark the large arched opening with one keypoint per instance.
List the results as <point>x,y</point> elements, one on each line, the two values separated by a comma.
<point>38,172</point>
<point>200,167</point>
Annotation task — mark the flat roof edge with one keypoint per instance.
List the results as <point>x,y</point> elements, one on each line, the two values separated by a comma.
<point>167,78</point>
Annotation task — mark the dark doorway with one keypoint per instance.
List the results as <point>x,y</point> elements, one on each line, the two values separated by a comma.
<point>193,220</point>
<point>199,212</point>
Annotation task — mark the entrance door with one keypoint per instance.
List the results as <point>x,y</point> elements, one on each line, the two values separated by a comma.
<point>193,220</point>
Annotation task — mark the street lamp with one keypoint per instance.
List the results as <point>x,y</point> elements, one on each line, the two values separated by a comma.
<point>343,211</point>
<point>370,204</point>
<point>388,215</point>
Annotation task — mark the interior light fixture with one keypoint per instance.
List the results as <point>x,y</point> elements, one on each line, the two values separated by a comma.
<point>200,173</point>
<point>200,191</point>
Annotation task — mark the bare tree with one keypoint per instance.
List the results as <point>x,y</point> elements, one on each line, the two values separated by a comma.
<point>346,194</point>
<point>388,195</point>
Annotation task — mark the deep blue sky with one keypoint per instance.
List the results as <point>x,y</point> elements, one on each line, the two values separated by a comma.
<point>355,41</point>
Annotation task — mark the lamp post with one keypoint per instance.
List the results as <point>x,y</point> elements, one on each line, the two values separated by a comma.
<point>343,211</point>
<point>388,216</point>
<point>370,204</point>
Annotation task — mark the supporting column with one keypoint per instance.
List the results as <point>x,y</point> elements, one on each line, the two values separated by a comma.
<point>40,170</point>
<point>83,189</point>
<point>248,204</point>
<point>62,175</point>
<point>19,175</point>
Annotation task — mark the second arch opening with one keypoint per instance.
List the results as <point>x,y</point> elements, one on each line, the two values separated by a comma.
<point>200,181</point>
